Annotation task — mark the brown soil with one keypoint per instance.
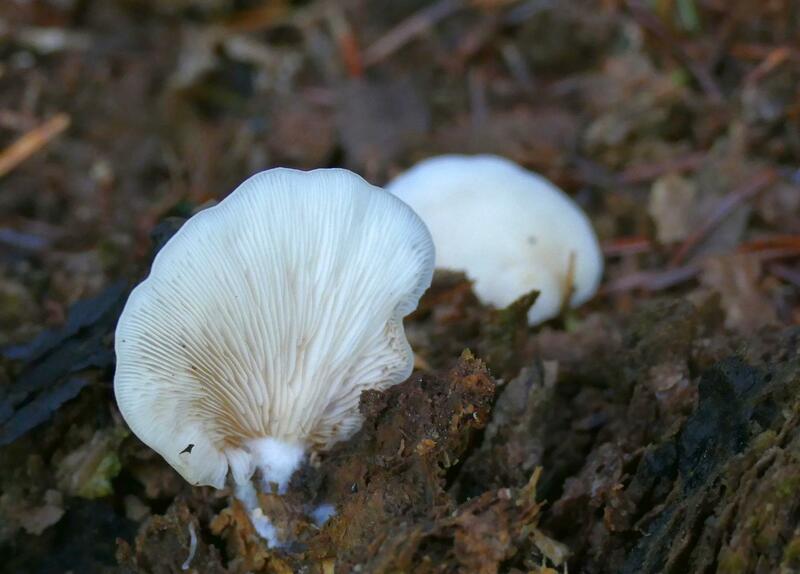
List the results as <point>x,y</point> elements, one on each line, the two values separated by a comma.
<point>657,429</point>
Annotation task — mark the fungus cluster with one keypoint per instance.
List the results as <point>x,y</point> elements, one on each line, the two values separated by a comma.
<point>510,230</point>
<point>262,321</point>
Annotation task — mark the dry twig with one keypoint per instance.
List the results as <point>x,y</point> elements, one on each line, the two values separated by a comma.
<point>622,246</point>
<point>259,18</point>
<point>650,171</point>
<point>409,29</point>
<point>773,60</point>
<point>31,142</point>
<point>346,40</point>
<point>651,23</point>
<point>652,280</point>
<point>722,210</point>
<point>785,273</point>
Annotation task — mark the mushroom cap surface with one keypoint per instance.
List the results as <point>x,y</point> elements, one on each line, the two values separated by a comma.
<point>510,230</point>
<point>265,316</point>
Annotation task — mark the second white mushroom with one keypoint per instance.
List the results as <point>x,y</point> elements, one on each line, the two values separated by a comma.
<point>510,230</point>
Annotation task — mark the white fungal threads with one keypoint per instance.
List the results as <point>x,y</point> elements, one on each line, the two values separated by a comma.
<point>510,230</point>
<point>280,460</point>
<point>264,528</point>
<point>322,513</point>
<point>262,321</point>
<point>192,547</point>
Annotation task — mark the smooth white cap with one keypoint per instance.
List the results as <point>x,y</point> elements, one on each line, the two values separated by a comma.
<point>265,317</point>
<point>510,230</point>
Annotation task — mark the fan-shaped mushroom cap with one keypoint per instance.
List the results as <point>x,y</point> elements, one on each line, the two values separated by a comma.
<point>511,231</point>
<point>264,318</point>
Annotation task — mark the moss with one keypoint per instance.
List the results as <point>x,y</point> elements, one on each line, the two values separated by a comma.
<point>791,554</point>
<point>99,483</point>
<point>88,470</point>
<point>731,561</point>
<point>787,488</point>
<point>763,441</point>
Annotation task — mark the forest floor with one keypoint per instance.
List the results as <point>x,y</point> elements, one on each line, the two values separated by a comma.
<point>656,429</point>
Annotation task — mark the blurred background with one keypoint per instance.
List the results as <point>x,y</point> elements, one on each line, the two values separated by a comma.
<point>661,117</point>
<point>674,123</point>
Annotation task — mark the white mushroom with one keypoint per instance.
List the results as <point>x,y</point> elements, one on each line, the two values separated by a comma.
<point>511,231</point>
<point>264,318</point>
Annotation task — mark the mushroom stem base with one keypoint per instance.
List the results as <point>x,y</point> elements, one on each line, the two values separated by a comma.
<point>277,460</point>
<point>246,493</point>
